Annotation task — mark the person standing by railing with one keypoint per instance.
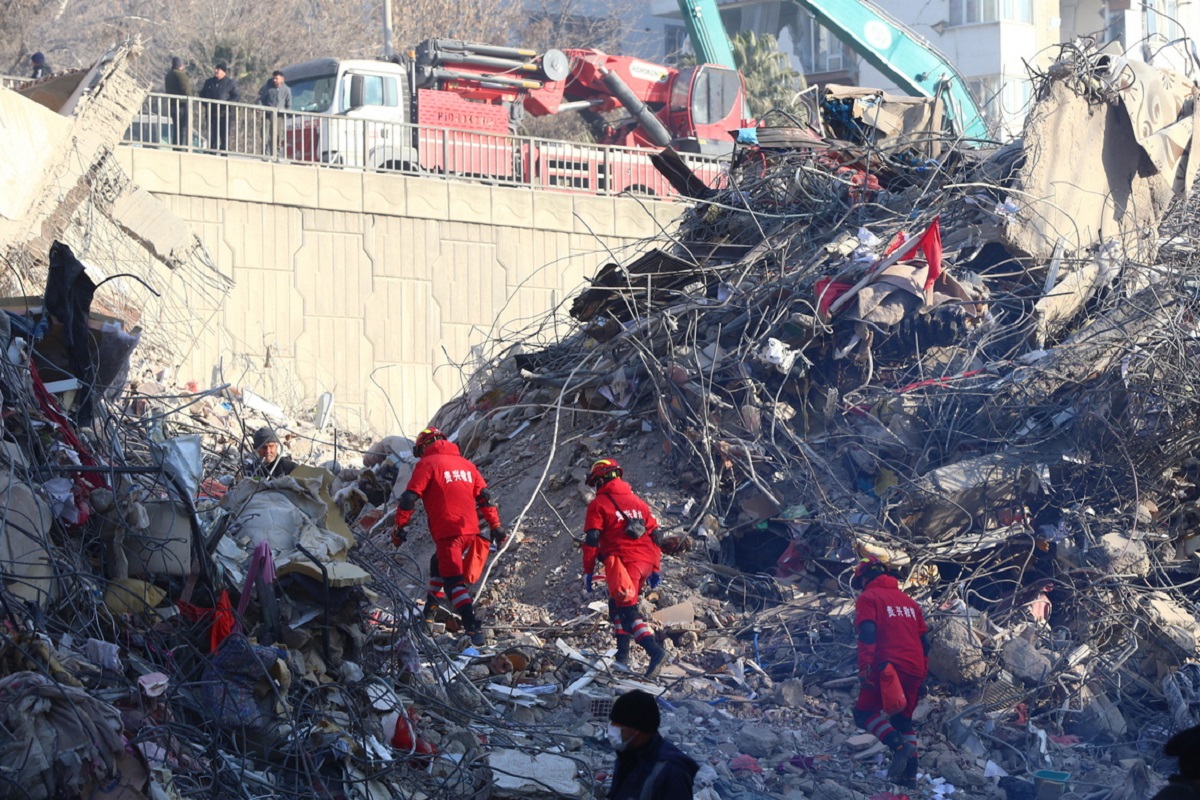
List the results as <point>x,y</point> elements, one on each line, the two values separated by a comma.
<point>177,82</point>
<point>219,87</point>
<point>40,68</point>
<point>277,96</point>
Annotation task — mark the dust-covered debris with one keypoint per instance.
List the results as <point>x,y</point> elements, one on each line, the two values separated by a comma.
<point>876,344</point>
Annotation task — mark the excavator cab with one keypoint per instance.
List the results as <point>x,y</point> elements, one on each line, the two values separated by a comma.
<point>708,103</point>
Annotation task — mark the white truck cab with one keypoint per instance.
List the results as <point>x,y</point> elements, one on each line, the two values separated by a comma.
<point>374,100</point>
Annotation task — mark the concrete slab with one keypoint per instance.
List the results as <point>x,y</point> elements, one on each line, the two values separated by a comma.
<point>204,176</point>
<point>339,190</point>
<point>427,198</point>
<point>153,170</point>
<point>383,193</point>
<point>470,202</point>
<point>295,185</point>
<point>594,215</point>
<point>552,211</point>
<point>252,181</point>
<point>639,221</point>
<point>512,207</point>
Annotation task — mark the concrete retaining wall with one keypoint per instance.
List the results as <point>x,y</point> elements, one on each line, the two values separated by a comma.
<point>374,286</point>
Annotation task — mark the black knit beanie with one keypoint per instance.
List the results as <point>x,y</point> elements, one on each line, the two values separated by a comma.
<point>637,710</point>
<point>1184,746</point>
<point>264,435</point>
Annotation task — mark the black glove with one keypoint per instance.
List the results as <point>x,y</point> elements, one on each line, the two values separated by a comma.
<point>399,536</point>
<point>498,537</point>
<point>591,537</point>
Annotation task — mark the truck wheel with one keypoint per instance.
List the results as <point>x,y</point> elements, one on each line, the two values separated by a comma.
<point>398,166</point>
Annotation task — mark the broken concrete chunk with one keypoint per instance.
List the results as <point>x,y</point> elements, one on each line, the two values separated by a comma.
<point>757,741</point>
<point>676,615</point>
<point>955,654</point>
<point>790,693</point>
<point>1118,554</point>
<point>1024,661</point>
<point>519,775</point>
<point>861,741</point>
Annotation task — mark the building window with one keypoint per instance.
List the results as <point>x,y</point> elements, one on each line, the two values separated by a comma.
<point>1003,99</point>
<point>673,38</point>
<point>1162,18</point>
<point>818,49</point>
<point>974,12</point>
<point>1016,11</point>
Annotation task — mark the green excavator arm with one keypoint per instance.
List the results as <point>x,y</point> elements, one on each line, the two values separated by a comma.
<point>707,32</point>
<point>897,52</point>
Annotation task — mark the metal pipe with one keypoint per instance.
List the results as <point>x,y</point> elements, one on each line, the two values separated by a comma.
<point>452,75</point>
<point>387,30</point>
<point>649,123</point>
<point>579,105</point>
<point>484,61</point>
<point>481,49</point>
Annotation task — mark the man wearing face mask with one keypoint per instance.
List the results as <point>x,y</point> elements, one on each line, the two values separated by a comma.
<point>648,766</point>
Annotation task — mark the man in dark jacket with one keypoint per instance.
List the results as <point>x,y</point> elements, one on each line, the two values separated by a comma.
<point>1185,785</point>
<point>891,631</point>
<point>40,68</point>
<point>276,95</point>
<point>219,87</point>
<point>271,463</point>
<point>455,495</point>
<point>620,533</point>
<point>648,766</point>
<point>177,82</point>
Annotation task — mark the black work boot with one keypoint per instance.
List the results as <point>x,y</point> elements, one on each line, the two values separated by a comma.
<point>472,626</point>
<point>901,756</point>
<point>431,609</point>
<point>623,641</point>
<point>657,655</point>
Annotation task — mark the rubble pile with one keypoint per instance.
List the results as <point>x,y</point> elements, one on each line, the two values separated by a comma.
<point>869,341</point>
<point>978,366</point>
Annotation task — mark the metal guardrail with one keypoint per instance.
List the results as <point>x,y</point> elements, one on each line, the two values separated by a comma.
<point>353,142</point>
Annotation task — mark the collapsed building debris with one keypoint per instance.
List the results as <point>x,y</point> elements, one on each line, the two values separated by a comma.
<point>978,368</point>
<point>874,344</point>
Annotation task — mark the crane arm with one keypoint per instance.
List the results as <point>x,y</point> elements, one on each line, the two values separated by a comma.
<point>707,33</point>
<point>899,53</point>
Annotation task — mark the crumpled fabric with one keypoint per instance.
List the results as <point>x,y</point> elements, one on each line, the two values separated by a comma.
<point>229,680</point>
<point>54,739</point>
<point>262,565</point>
<point>68,298</point>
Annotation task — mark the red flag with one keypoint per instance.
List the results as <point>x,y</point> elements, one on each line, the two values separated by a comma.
<point>930,245</point>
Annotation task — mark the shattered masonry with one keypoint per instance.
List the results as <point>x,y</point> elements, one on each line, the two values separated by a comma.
<point>975,364</point>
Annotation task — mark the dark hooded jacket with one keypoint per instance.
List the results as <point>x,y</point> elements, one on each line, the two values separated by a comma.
<point>1179,788</point>
<point>658,770</point>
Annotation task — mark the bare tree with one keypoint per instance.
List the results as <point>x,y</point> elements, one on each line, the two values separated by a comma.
<point>574,24</point>
<point>487,21</point>
<point>255,38</point>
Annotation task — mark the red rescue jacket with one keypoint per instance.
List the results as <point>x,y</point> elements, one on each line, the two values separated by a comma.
<point>899,625</point>
<point>602,516</point>
<point>449,486</point>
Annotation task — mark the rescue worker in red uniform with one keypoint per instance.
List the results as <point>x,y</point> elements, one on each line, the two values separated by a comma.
<point>891,630</point>
<point>455,495</point>
<point>620,533</point>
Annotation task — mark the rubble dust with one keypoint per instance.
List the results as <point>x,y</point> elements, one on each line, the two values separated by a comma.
<point>867,341</point>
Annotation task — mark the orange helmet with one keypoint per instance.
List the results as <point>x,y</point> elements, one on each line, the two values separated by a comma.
<point>426,438</point>
<point>603,471</point>
<point>867,570</point>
